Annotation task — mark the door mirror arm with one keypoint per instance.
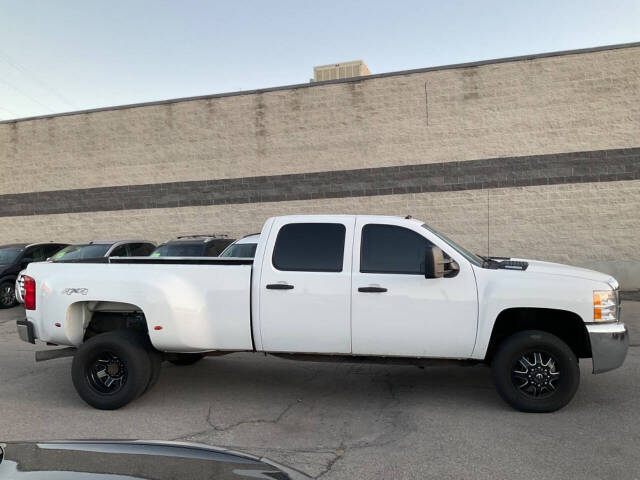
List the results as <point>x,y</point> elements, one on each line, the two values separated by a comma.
<point>451,268</point>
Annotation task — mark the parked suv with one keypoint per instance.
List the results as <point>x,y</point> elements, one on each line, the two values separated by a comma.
<point>193,246</point>
<point>14,258</point>
<point>99,249</point>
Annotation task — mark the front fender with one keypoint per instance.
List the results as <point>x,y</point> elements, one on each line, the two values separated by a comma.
<point>499,290</point>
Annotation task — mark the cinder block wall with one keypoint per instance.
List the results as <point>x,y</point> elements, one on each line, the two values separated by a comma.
<point>536,157</point>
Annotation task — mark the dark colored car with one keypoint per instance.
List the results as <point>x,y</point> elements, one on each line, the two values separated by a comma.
<point>14,258</point>
<point>101,460</point>
<point>193,246</point>
<point>105,248</point>
<point>92,250</point>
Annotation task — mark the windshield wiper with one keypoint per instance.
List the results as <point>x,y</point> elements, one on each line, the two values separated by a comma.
<point>487,261</point>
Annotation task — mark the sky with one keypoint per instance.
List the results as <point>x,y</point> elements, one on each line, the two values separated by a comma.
<point>65,55</point>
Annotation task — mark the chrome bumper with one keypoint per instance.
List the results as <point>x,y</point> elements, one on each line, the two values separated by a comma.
<point>609,345</point>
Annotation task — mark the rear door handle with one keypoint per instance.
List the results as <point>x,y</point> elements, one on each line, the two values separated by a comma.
<point>279,286</point>
<point>372,289</point>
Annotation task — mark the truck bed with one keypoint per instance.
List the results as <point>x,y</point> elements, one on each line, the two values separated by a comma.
<point>190,304</point>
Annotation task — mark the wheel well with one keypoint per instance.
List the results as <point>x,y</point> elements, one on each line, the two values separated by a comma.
<point>565,325</point>
<point>107,321</point>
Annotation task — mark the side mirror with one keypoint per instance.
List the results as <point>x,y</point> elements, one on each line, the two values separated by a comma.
<point>434,263</point>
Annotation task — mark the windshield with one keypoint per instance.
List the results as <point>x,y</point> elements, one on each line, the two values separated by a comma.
<point>9,255</point>
<point>77,252</point>
<point>472,257</point>
<point>179,250</point>
<point>240,250</point>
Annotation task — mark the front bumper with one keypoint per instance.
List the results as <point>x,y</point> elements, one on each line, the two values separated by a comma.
<point>26,331</point>
<point>609,345</point>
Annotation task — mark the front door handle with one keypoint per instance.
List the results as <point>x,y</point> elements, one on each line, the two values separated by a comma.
<point>279,286</point>
<point>372,289</point>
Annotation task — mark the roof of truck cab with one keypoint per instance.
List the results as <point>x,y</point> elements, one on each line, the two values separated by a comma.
<point>380,218</point>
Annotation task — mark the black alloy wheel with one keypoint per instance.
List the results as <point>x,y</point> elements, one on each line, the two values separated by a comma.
<point>107,374</point>
<point>536,374</point>
<point>7,295</point>
<point>535,371</point>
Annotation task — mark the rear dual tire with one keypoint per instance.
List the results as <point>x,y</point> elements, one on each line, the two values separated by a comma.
<point>114,368</point>
<point>535,371</point>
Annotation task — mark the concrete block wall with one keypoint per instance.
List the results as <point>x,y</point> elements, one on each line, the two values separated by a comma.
<point>549,152</point>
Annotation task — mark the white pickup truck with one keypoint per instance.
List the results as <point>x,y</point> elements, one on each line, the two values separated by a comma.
<point>330,287</point>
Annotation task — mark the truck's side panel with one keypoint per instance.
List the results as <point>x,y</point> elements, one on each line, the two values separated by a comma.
<point>198,307</point>
<point>305,305</point>
<point>396,310</point>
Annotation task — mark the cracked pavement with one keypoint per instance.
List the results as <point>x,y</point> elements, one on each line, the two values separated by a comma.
<point>344,421</point>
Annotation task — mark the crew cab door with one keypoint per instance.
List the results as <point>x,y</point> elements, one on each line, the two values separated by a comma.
<point>399,312</point>
<point>305,285</point>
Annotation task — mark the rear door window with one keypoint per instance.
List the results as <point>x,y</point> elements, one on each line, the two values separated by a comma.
<point>310,247</point>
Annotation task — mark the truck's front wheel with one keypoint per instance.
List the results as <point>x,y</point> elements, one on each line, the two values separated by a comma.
<point>535,371</point>
<point>111,369</point>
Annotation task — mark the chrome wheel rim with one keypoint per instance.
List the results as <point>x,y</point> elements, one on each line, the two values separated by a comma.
<point>6,295</point>
<point>536,374</point>
<point>107,373</point>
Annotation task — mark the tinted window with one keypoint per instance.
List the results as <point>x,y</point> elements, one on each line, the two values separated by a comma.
<point>141,249</point>
<point>51,249</point>
<point>390,249</point>
<point>241,250</point>
<point>179,250</point>
<point>315,247</point>
<point>9,255</point>
<point>75,252</point>
<point>36,254</point>
<point>121,251</point>
<point>215,247</point>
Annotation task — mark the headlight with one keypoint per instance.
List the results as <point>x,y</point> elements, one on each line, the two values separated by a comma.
<point>605,306</point>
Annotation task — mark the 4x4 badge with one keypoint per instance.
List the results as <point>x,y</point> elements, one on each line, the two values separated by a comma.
<point>71,291</point>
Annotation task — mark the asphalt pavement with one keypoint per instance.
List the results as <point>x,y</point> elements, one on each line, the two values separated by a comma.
<point>344,421</point>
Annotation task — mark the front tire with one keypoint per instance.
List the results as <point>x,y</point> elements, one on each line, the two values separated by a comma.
<point>8,295</point>
<point>112,369</point>
<point>535,371</point>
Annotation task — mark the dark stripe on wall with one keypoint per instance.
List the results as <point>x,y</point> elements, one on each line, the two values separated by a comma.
<point>553,169</point>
